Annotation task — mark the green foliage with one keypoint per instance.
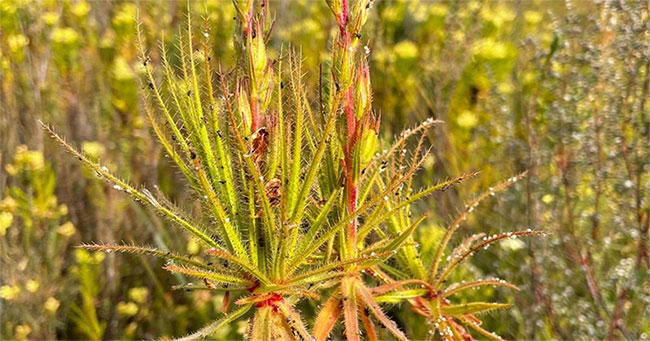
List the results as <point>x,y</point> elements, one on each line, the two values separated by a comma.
<point>35,235</point>
<point>85,317</point>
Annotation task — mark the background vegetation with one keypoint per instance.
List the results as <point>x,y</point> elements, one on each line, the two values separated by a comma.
<point>559,88</point>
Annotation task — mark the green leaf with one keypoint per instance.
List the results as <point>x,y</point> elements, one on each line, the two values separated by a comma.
<point>400,295</point>
<point>471,308</point>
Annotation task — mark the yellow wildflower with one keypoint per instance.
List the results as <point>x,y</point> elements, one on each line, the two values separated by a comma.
<point>52,304</point>
<point>66,229</point>
<point>139,294</point>
<point>127,308</point>
<point>6,219</point>
<point>32,286</point>
<point>9,292</point>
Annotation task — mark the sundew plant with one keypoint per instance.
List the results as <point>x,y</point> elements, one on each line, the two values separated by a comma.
<point>297,200</point>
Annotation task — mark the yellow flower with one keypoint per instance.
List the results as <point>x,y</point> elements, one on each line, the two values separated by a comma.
<point>438,10</point>
<point>458,36</point>
<point>548,198</point>
<point>8,7</point>
<point>98,257</point>
<point>9,292</point>
<point>27,159</point>
<point>6,219</point>
<point>32,286</point>
<point>131,328</point>
<point>127,309</point>
<point>16,42</point>
<point>532,17</point>
<point>506,88</point>
<point>467,119</point>
<point>65,36</point>
<point>125,15</point>
<point>11,169</point>
<point>139,294</point>
<point>406,49</point>
<point>22,331</point>
<point>529,77</point>
<point>193,246</point>
<point>84,257</point>
<point>66,229</point>
<point>52,304</point>
<point>93,149</point>
<point>50,18</point>
<point>80,9</point>
<point>122,70</point>
<point>489,48</point>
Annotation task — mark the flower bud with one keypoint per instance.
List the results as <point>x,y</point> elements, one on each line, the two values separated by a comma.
<point>344,64</point>
<point>360,14</point>
<point>363,93</point>
<point>339,9</point>
<point>258,52</point>
<point>367,146</point>
<point>243,8</point>
<point>266,88</point>
<point>243,106</point>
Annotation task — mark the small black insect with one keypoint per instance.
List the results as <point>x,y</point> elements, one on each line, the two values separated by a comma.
<point>189,92</point>
<point>150,85</point>
<point>192,155</point>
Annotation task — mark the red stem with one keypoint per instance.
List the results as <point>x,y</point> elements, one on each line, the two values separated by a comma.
<point>255,114</point>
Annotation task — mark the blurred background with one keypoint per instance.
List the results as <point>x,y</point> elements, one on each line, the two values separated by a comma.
<point>558,88</point>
